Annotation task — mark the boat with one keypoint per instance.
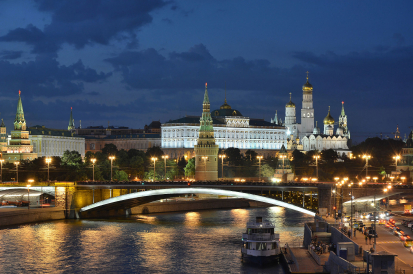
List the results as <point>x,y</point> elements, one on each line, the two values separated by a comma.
<point>260,245</point>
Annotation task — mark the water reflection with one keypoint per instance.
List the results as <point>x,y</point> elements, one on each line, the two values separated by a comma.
<point>204,242</point>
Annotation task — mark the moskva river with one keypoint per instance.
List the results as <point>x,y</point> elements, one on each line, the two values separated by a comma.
<point>192,242</point>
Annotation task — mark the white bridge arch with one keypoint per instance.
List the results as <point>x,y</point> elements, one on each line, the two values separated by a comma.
<point>142,197</point>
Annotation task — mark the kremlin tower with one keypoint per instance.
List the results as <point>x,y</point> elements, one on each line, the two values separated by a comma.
<point>206,151</point>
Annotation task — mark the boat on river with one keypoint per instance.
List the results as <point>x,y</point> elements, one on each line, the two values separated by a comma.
<point>260,244</point>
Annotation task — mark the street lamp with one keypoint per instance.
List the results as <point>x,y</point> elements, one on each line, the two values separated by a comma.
<point>111,158</point>
<point>1,169</point>
<point>154,164</point>
<point>17,170</point>
<point>283,157</point>
<point>164,157</point>
<point>28,196</point>
<point>367,157</point>
<point>396,158</point>
<point>48,161</point>
<point>93,160</point>
<point>375,179</point>
<point>222,156</point>
<point>316,157</point>
<point>351,210</point>
<point>259,161</point>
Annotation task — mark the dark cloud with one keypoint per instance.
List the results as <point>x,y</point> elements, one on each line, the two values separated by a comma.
<point>46,77</point>
<point>10,54</point>
<point>85,22</point>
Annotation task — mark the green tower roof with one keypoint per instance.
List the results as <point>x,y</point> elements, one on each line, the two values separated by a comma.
<point>19,122</point>
<point>71,123</point>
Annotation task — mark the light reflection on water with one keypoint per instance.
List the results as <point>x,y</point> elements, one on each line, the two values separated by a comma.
<point>204,242</point>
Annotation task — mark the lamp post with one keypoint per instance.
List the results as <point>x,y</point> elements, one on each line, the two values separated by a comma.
<point>396,158</point>
<point>222,156</point>
<point>351,210</point>
<point>283,157</point>
<point>93,160</point>
<point>316,157</point>
<point>28,196</point>
<point>48,161</point>
<point>259,164</point>
<point>1,169</point>
<point>17,170</point>
<point>154,164</point>
<point>367,157</point>
<point>111,158</point>
<point>164,157</point>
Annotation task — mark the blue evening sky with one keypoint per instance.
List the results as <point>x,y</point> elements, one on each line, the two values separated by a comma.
<point>131,62</point>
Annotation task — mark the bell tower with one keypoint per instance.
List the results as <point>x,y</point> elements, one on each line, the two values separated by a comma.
<point>307,111</point>
<point>206,151</point>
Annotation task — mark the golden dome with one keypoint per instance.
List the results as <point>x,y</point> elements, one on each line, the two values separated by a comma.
<point>329,120</point>
<point>225,105</point>
<point>307,87</point>
<point>290,104</point>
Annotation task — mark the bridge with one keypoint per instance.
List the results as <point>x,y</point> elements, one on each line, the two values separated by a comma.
<point>89,199</point>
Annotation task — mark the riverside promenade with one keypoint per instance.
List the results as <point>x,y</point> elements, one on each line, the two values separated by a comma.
<point>17,215</point>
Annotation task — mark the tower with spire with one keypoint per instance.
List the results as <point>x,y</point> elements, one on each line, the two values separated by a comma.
<point>206,151</point>
<point>20,147</point>
<point>71,121</point>
<point>329,124</point>
<point>342,122</point>
<point>307,110</point>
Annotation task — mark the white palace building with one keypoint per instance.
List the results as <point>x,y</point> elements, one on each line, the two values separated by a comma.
<point>232,129</point>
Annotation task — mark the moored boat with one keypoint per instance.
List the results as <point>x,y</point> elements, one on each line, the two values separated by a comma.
<point>260,243</point>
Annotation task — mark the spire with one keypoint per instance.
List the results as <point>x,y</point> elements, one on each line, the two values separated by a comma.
<point>71,121</point>
<point>276,117</point>
<point>225,92</point>
<point>2,123</point>
<point>206,98</point>
<point>342,109</point>
<point>19,122</point>
<point>307,75</point>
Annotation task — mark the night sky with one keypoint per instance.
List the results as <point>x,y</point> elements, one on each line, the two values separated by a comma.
<point>131,62</point>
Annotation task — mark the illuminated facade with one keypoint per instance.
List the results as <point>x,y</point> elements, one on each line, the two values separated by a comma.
<point>231,129</point>
<point>19,147</point>
<point>406,162</point>
<point>141,141</point>
<point>206,151</point>
<point>3,137</point>
<point>54,142</point>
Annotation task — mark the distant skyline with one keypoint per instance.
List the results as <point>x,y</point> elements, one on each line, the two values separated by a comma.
<point>132,62</point>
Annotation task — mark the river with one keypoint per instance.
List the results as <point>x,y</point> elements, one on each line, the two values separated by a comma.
<point>186,242</point>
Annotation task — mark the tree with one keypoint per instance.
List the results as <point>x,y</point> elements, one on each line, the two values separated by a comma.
<point>267,171</point>
<point>109,149</point>
<point>234,156</point>
<point>251,155</point>
<point>154,151</point>
<point>71,158</point>
<point>120,175</point>
<point>190,168</point>
<point>122,158</point>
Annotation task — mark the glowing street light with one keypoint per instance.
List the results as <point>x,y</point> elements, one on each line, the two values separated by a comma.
<point>259,164</point>
<point>28,195</point>
<point>222,156</point>
<point>48,161</point>
<point>111,158</point>
<point>375,179</point>
<point>17,170</point>
<point>93,160</point>
<point>367,157</point>
<point>154,159</point>
<point>316,157</point>
<point>164,157</point>
<point>396,158</point>
<point>1,169</point>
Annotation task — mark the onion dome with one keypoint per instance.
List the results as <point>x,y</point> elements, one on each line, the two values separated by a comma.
<point>329,120</point>
<point>316,130</point>
<point>225,105</point>
<point>290,104</point>
<point>307,87</point>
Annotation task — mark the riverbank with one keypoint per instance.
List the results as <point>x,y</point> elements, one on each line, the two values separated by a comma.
<point>18,216</point>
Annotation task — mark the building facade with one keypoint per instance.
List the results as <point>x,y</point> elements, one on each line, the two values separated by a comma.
<point>54,142</point>
<point>141,141</point>
<point>406,162</point>
<point>206,151</point>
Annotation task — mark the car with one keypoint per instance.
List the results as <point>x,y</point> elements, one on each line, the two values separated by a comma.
<point>404,237</point>
<point>408,243</point>
<point>397,231</point>
<point>382,222</point>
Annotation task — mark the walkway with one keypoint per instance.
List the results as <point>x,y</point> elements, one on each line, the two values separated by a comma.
<point>306,263</point>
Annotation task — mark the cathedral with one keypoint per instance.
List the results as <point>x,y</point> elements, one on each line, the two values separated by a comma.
<point>305,136</point>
